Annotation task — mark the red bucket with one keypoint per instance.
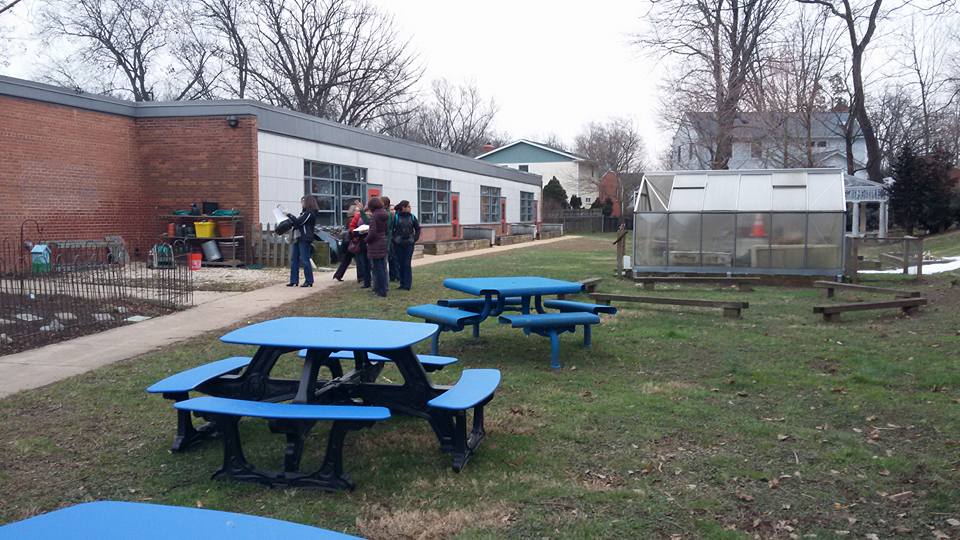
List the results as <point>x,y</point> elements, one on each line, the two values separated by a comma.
<point>196,261</point>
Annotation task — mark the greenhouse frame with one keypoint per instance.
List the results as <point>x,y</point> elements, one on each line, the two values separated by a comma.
<point>780,222</point>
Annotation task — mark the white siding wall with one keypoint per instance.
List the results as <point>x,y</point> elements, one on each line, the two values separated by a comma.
<point>567,172</point>
<point>281,177</point>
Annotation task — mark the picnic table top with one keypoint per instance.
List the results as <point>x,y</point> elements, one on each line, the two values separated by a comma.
<point>513,285</point>
<point>111,519</point>
<point>338,334</point>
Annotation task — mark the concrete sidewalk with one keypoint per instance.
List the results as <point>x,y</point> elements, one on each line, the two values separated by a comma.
<point>45,365</point>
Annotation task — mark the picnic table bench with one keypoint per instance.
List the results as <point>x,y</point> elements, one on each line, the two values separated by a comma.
<point>115,520</point>
<point>831,312</point>
<point>294,421</point>
<point>744,284</point>
<point>551,325</point>
<point>833,286</point>
<point>731,309</point>
<point>178,386</point>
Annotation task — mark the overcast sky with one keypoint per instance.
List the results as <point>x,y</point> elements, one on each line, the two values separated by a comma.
<point>551,66</point>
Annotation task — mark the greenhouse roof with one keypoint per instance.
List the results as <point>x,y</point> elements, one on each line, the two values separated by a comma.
<point>772,190</point>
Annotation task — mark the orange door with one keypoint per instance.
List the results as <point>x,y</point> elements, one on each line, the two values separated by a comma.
<point>455,214</point>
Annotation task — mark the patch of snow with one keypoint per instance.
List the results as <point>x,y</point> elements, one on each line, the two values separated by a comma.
<point>951,264</point>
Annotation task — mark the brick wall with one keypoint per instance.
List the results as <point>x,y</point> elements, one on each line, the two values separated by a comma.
<point>191,160</point>
<point>86,175</point>
<point>73,171</point>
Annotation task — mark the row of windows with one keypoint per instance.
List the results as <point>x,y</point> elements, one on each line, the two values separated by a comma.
<point>336,187</point>
<point>756,149</point>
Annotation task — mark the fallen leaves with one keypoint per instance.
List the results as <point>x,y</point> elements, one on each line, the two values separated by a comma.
<point>745,497</point>
<point>783,437</point>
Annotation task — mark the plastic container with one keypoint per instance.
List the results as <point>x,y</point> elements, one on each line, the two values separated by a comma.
<point>196,261</point>
<point>210,251</point>
<point>205,229</point>
<point>227,228</point>
<point>228,249</point>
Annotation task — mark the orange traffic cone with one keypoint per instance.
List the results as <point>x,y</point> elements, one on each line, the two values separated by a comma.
<point>758,230</point>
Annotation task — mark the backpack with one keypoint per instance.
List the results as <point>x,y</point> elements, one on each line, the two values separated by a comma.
<point>405,229</point>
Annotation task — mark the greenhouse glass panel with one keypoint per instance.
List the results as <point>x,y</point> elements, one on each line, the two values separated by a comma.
<point>789,198</point>
<point>687,200</point>
<point>721,193</point>
<point>718,239</point>
<point>825,240</point>
<point>650,239</point>
<point>753,242</point>
<point>787,240</point>
<point>684,239</point>
<point>754,193</point>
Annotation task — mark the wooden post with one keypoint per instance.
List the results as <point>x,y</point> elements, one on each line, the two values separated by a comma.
<point>621,244</point>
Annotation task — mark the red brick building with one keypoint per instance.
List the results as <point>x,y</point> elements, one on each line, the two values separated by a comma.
<point>86,166</point>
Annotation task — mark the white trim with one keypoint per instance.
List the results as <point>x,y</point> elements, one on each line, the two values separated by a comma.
<point>532,143</point>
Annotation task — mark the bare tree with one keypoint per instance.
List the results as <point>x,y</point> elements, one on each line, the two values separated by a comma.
<point>128,38</point>
<point>925,62</point>
<point>860,19</point>
<point>454,118</point>
<point>337,59</point>
<point>615,146</point>
<point>229,22</point>
<point>791,89</point>
<point>718,45</point>
<point>7,5</point>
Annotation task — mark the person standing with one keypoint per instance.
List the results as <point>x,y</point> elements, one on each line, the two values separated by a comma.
<point>303,242</point>
<point>377,246</point>
<point>406,233</point>
<point>344,250</point>
<point>363,263</point>
<point>392,270</point>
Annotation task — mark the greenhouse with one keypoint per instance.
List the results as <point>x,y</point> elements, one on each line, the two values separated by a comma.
<point>788,222</point>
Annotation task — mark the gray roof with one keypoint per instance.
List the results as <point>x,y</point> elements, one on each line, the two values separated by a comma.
<point>269,118</point>
<point>752,125</point>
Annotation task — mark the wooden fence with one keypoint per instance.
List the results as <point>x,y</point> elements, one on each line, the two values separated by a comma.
<point>269,249</point>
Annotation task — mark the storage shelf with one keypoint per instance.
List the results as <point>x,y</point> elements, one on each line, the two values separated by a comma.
<point>200,217</point>
<point>221,238</point>
<point>230,262</point>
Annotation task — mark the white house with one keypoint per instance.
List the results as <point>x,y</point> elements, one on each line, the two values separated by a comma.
<point>578,175</point>
<point>768,141</point>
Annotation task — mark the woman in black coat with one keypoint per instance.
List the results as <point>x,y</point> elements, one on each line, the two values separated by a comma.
<point>303,242</point>
<point>377,246</point>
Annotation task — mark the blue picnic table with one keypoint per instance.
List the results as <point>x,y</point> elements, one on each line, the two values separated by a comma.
<point>496,295</point>
<point>109,520</point>
<point>333,344</point>
<point>496,291</point>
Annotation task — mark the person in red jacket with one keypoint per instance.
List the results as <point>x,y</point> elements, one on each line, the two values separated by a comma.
<point>377,246</point>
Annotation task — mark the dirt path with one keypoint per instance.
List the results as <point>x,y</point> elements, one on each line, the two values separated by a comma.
<point>45,365</point>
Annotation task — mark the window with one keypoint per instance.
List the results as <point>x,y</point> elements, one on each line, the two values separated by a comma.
<point>756,150</point>
<point>335,187</point>
<point>434,204</point>
<point>527,205</point>
<point>524,168</point>
<point>489,204</point>
<point>586,200</point>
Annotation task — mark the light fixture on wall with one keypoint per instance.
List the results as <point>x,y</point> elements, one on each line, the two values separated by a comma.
<point>233,121</point>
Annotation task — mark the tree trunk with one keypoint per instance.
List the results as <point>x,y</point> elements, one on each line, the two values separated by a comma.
<point>874,157</point>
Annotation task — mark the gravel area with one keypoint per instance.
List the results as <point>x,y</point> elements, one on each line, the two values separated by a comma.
<point>240,279</point>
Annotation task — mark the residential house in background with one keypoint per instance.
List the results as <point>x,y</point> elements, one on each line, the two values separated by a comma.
<point>578,175</point>
<point>619,188</point>
<point>771,141</point>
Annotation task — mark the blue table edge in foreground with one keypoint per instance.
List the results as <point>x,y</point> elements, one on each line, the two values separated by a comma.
<point>107,520</point>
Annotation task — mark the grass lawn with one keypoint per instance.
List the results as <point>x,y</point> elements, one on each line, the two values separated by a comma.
<point>677,422</point>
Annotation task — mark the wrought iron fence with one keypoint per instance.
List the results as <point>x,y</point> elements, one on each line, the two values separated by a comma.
<point>58,289</point>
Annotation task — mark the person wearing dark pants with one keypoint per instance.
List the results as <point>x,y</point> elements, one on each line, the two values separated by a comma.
<point>302,247</point>
<point>346,256</point>
<point>377,246</point>
<point>406,233</point>
<point>392,269</point>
